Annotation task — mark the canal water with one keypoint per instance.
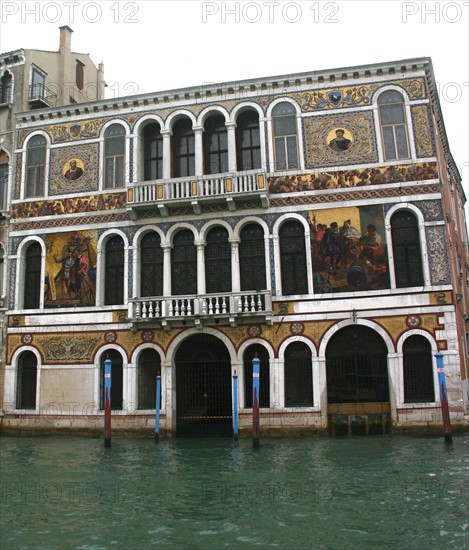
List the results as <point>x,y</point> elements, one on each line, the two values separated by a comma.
<point>377,492</point>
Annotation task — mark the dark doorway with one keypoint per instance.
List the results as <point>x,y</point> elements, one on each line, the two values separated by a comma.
<point>203,387</point>
<point>357,382</point>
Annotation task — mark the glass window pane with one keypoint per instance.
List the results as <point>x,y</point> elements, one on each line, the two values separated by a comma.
<point>292,152</point>
<point>389,147</point>
<point>401,138</point>
<point>280,154</point>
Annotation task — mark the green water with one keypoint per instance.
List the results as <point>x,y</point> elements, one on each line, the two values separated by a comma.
<point>396,492</point>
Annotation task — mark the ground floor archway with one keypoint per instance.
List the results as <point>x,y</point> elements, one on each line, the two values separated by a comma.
<point>203,387</point>
<point>357,382</point>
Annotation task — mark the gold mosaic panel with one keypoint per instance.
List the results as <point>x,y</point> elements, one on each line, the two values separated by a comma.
<point>422,131</point>
<point>322,138</point>
<point>86,159</point>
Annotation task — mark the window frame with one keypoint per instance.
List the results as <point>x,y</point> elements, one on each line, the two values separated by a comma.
<point>107,171</point>
<point>405,125</point>
<point>280,140</point>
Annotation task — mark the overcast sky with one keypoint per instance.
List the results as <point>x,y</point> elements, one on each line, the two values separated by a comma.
<point>155,45</point>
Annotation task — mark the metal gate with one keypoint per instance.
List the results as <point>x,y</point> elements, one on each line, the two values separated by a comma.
<point>203,388</point>
<point>357,382</point>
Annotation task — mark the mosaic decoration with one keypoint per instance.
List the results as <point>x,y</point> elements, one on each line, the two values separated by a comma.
<point>70,269</point>
<point>422,131</point>
<point>68,348</point>
<point>325,147</point>
<point>61,207</point>
<point>74,169</point>
<point>68,221</point>
<point>110,337</point>
<point>297,328</point>
<point>74,131</point>
<point>359,177</point>
<point>148,335</point>
<point>413,321</point>
<point>254,331</point>
<point>438,255</point>
<point>348,247</point>
<point>432,210</point>
<point>354,96</point>
<point>18,176</point>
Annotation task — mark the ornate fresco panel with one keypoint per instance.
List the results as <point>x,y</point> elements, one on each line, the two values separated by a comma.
<point>354,96</point>
<point>60,207</point>
<point>349,251</point>
<point>422,131</point>
<point>432,210</point>
<point>438,255</point>
<point>74,169</point>
<point>353,178</point>
<point>70,269</point>
<point>343,139</point>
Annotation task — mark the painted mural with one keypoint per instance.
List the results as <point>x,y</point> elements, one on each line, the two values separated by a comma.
<point>74,205</point>
<point>71,269</point>
<point>353,178</point>
<point>348,248</point>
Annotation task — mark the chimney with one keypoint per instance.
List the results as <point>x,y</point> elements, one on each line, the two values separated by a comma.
<point>65,38</point>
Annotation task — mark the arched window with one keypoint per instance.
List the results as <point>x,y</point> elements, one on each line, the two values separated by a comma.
<point>152,152</point>
<point>36,166</point>
<point>298,376</point>
<point>418,370</point>
<point>6,88</point>
<point>26,381</point>
<point>184,264</point>
<point>217,261</point>
<point>116,380</point>
<point>79,75</point>
<point>257,350</point>
<point>183,142</point>
<point>293,258</point>
<point>285,136</point>
<point>252,258</point>
<point>32,277</point>
<point>114,156</point>
<point>114,272</point>
<point>149,366</point>
<point>248,142</point>
<point>406,249</point>
<point>215,145</point>
<point>151,265</point>
<point>393,125</point>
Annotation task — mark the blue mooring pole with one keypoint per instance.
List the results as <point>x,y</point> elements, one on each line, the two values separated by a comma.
<point>107,402</point>
<point>255,402</point>
<point>157,412</point>
<point>443,397</point>
<point>235,406</point>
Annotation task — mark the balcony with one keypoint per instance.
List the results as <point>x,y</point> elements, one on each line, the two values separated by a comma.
<point>40,97</point>
<point>207,309</point>
<point>196,191</point>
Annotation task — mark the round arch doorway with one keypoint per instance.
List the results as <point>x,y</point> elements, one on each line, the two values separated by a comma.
<point>357,382</point>
<point>203,387</point>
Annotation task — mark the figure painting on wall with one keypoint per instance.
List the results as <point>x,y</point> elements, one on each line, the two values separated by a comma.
<point>340,143</point>
<point>72,285</point>
<point>349,256</point>
<point>74,171</point>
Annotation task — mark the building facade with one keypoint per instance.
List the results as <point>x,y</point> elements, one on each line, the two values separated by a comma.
<point>313,220</point>
<point>32,80</point>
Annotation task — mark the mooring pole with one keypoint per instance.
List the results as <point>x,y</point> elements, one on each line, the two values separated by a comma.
<point>107,401</point>
<point>235,406</point>
<point>255,401</point>
<point>158,404</point>
<point>443,397</point>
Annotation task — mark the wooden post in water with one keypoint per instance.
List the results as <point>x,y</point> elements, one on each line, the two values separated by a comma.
<point>255,401</point>
<point>107,401</point>
<point>235,406</point>
<point>158,405</point>
<point>443,397</point>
